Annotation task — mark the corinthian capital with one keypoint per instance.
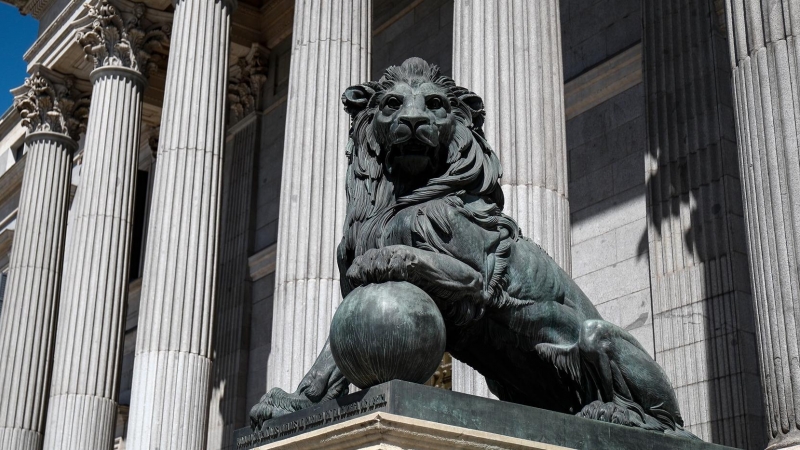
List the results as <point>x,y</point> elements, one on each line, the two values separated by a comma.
<point>121,37</point>
<point>246,78</point>
<point>49,102</point>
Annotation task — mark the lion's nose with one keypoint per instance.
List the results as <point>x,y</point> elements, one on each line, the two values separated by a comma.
<point>413,121</point>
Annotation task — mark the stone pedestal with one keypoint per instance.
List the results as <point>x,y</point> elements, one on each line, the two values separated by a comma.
<point>401,415</point>
<point>27,330</point>
<point>385,431</point>
<point>509,52</point>
<point>172,369</point>
<point>764,57</point>
<point>331,53</point>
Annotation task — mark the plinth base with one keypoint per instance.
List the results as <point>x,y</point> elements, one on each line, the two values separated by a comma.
<point>385,431</point>
<point>399,415</point>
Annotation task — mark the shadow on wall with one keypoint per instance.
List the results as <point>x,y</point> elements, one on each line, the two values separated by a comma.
<point>703,318</point>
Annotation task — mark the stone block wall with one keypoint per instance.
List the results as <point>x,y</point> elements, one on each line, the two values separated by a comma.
<point>402,29</point>
<point>606,145</point>
<point>595,30</point>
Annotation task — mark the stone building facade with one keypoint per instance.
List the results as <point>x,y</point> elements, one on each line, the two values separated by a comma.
<point>171,195</point>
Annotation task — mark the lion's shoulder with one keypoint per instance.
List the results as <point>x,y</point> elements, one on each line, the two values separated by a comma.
<point>443,225</point>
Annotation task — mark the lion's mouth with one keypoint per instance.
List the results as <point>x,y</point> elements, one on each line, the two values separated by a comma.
<point>412,157</point>
<point>414,148</point>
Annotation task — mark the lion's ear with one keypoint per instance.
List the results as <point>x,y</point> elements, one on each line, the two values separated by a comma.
<point>473,100</point>
<point>475,103</point>
<point>356,98</point>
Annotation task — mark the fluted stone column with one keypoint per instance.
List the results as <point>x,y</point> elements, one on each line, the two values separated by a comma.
<point>85,385</point>
<point>509,52</point>
<point>171,372</point>
<point>700,284</point>
<point>53,112</point>
<point>765,57</point>
<point>331,52</point>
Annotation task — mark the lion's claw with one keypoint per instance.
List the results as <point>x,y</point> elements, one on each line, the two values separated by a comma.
<point>392,263</point>
<point>274,403</point>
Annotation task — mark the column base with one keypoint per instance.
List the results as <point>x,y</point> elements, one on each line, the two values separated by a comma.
<point>20,439</point>
<point>169,406</point>
<point>789,441</point>
<point>80,421</point>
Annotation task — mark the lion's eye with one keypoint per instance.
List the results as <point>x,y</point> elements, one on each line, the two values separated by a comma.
<point>393,103</point>
<point>434,103</point>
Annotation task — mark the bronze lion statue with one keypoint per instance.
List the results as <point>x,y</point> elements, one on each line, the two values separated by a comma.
<point>424,206</point>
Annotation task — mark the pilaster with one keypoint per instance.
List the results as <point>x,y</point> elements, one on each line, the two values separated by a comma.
<point>228,409</point>
<point>509,52</point>
<point>55,114</point>
<point>765,57</point>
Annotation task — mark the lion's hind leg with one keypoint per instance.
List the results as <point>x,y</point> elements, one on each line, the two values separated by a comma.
<point>631,388</point>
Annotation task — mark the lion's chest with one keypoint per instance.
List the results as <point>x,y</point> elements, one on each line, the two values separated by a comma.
<point>444,228</point>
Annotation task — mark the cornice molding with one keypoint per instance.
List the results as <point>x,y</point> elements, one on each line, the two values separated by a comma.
<point>263,262</point>
<point>57,47</point>
<point>612,77</point>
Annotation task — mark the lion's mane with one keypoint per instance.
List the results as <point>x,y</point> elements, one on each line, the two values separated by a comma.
<point>374,197</point>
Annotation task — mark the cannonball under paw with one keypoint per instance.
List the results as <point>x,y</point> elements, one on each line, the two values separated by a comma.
<point>387,331</point>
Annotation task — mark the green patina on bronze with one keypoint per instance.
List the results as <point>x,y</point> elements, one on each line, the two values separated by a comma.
<point>425,207</point>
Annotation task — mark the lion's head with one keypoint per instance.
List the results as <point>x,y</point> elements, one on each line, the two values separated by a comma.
<point>414,121</point>
<point>415,136</point>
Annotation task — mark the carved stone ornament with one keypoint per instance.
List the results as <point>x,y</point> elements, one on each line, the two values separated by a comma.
<point>425,226</point>
<point>120,38</point>
<point>245,80</point>
<point>152,141</point>
<point>51,103</point>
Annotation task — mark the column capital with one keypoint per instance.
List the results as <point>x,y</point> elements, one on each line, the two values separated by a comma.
<point>246,78</point>
<point>49,102</point>
<point>121,36</point>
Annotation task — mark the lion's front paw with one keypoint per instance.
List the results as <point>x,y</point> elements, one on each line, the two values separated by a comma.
<point>392,263</point>
<point>274,403</point>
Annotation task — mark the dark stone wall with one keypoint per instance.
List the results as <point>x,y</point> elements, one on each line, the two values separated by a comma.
<point>606,147</point>
<point>594,30</point>
<point>425,30</point>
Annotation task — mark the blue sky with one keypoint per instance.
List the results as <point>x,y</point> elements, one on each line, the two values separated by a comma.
<point>17,33</point>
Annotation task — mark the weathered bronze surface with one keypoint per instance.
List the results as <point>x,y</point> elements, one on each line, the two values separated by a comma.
<point>425,207</point>
<point>387,331</point>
